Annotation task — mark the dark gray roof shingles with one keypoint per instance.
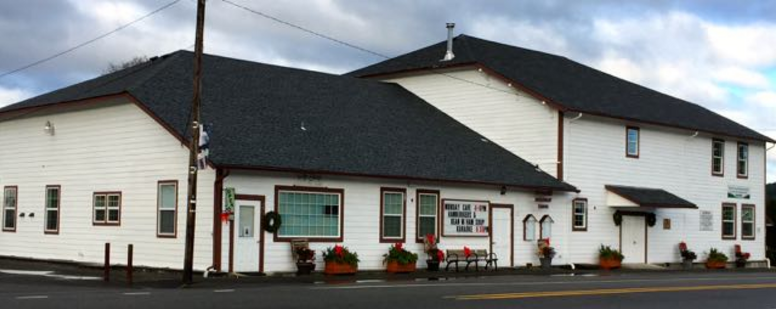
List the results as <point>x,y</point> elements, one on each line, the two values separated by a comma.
<point>649,197</point>
<point>573,86</point>
<point>351,126</point>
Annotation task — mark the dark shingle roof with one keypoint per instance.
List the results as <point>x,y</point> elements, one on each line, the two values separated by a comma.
<point>573,86</point>
<point>648,197</point>
<point>277,118</point>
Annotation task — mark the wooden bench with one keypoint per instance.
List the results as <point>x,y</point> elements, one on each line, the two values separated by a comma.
<point>476,256</point>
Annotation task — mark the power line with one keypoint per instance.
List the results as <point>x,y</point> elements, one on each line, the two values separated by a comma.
<point>122,27</point>
<point>351,45</point>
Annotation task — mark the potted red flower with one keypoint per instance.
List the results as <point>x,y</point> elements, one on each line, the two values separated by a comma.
<point>716,259</point>
<point>435,255</point>
<point>340,261</point>
<point>741,257</point>
<point>399,260</point>
<point>305,262</point>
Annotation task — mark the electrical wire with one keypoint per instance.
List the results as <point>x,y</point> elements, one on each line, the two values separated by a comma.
<point>66,51</point>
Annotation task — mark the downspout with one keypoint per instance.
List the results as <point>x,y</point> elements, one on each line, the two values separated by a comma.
<point>218,190</point>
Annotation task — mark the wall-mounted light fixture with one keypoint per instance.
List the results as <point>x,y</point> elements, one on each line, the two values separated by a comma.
<point>49,128</point>
<point>21,215</point>
<point>503,190</point>
<point>32,215</point>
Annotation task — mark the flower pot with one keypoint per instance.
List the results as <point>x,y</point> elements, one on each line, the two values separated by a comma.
<point>333,268</point>
<point>304,268</point>
<point>546,263</point>
<point>686,264</point>
<point>715,265</point>
<point>607,264</point>
<point>433,265</point>
<point>740,264</point>
<point>395,268</point>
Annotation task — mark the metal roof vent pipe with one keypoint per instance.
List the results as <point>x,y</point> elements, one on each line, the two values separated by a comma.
<point>449,54</point>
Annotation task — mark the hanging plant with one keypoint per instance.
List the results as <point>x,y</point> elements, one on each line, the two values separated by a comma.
<point>271,222</point>
<point>617,218</point>
<point>651,219</point>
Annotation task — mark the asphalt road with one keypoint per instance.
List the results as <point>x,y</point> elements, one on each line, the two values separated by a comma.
<point>728,290</point>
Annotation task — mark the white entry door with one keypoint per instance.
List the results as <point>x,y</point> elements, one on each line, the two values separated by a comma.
<point>501,235</point>
<point>633,239</point>
<point>247,232</point>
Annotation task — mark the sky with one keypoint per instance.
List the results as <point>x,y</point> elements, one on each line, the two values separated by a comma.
<point>719,54</point>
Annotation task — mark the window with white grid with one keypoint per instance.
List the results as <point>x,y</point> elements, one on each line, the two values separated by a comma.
<point>309,214</point>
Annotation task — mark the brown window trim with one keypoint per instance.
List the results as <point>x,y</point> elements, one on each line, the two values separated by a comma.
<point>638,142</point>
<point>158,202</point>
<point>738,174</point>
<point>754,222</point>
<point>575,228</point>
<point>418,192</point>
<point>735,221</point>
<point>541,222</point>
<point>722,164</point>
<point>45,209</point>
<point>106,222</point>
<point>341,192</point>
<point>15,209</point>
<point>403,237</point>
<point>525,231</point>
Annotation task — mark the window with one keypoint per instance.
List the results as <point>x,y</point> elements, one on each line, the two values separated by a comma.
<point>9,209</point>
<point>747,222</point>
<point>545,227</point>
<point>392,214</point>
<point>247,216</point>
<point>742,166</point>
<point>52,210</point>
<point>718,157</point>
<point>728,221</point>
<point>167,207</point>
<point>106,208</point>
<point>632,142</point>
<point>310,212</point>
<point>529,228</point>
<point>428,208</point>
<point>579,215</point>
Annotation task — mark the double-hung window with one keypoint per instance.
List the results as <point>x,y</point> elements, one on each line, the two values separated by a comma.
<point>167,208</point>
<point>314,213</point>
<point>728,221</point>
<point>718,157</point>
<point>632,146</point>
<point>428,208</point>
<point>580,215</point>
<point>51,213</point>
<point>9,208</point>
<point>106,208</point>
<point>747,222</point>
<point>529,228</point>
<point>545,227</point>
<point>742,160</point>
<point>392,215</point>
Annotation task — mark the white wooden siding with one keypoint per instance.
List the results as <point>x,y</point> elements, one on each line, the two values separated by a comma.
<point>112,147</point>
<point>511,118</point>
<point>669,159</point>
<point>362,209</point>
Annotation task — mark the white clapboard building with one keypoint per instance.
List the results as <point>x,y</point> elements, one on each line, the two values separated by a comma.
<point>667,169</point>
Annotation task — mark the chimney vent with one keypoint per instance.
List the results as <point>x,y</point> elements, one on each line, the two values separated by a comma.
<point>449,54</point>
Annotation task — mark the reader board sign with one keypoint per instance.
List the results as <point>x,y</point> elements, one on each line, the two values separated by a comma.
<point>465,218</point>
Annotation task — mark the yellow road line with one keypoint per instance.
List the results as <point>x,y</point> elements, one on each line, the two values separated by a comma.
<point>613,291</point>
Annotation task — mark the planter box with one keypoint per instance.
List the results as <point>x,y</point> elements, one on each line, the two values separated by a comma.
<point>396,268</point>
<point>715,265</point>
<point>339,269</point>
<point>607,264</point>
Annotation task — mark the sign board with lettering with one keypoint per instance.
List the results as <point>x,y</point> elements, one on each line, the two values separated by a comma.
<point>739,192</point>
<point>706,220</point>
<point>465,218</point>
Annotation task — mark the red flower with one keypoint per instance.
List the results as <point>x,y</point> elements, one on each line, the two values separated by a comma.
<point>430,238</point>
<point>398,246</point>
<point>338,250</point>
<point>466,251</point>
<point>547,240</point>
<point>682,246</point>
<point>440,255</point>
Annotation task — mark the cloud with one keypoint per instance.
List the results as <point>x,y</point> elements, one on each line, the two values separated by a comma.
<point>12,95</point>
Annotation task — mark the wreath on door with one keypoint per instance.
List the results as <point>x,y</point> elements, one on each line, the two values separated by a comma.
<point>271,222</point>
<point>651,219</point>
<point>617,218</point>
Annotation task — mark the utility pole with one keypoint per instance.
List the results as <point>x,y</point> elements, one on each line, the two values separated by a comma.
<point>191,215</point>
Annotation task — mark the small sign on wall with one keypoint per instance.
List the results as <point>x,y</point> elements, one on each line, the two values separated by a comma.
<point>706,222</point>
<point>465,218</point>
<point>739,192</point>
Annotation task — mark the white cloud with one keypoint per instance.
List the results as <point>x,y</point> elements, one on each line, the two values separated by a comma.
<point>12,95</point>
<point>741,77</point>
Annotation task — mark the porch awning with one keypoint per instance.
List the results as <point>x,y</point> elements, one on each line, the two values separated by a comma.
<point>633,197</point>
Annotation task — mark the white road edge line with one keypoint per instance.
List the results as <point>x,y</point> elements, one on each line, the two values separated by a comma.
<point>223,291</point>
<point>137,293</point>
<point>32,297</point>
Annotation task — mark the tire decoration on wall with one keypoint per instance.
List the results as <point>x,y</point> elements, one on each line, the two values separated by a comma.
<point>617,218</point>
<point>271,222</point>
<point>651,219</point>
